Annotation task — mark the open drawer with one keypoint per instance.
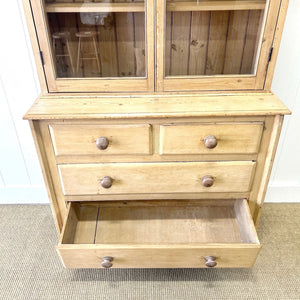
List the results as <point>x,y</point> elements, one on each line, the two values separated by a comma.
<point>159,234</point>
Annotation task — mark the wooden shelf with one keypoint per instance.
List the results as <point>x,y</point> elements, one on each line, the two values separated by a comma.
<point>216,5</point>
<point>94,7</point>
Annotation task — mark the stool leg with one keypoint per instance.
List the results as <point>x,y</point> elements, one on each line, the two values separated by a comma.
<point>96,53</point>
<point>78,54</point>
<point>69,53</point>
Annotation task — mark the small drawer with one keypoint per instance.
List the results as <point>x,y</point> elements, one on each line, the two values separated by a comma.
<point>159,234</point>
<point>140,178</point>
<point>101,139</point>
<point>235,138</point>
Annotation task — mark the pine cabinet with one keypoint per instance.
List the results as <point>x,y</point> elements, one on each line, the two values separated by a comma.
<point>156,128</point>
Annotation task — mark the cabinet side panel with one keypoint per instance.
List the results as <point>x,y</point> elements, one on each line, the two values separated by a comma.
<point>57,203</point>
<point>269,159</point>
<point>264,164</point>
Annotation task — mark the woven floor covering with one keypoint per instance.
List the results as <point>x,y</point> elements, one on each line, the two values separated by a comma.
<point>30,267</point>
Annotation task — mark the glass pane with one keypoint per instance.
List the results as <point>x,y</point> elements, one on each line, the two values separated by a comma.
<point>97,38</point>
<point>212,37</point>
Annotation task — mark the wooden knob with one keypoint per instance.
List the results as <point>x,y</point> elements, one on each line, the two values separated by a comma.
<point>207,180</point>
<point>106,182</point>
<point>107,262</point>
<point>210,142</point>
<point>210,261</point>
<point>102,143</point>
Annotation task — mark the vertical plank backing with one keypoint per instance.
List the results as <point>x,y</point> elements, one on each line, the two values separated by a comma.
<point>198,42</point>
<point>107,46</point>
<point>168,42</point>
<point>217,42</point>
<point>139,44</point>
<point>251,41</point>
<point>235,41</point>
<point>125,43</point>
<point>180,43</point>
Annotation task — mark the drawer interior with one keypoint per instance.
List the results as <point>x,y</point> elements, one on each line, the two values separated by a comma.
<point>159,222</point>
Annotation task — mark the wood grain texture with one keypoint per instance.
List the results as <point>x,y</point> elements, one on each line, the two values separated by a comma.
<point>167,225</point>
<point>245,222</point>
<point>266,42</point>
<point>198,42</point>
<point>189,138</point>
<point>125,44</point>
<point>251,42</point>
<point>235,42</point>
<point>105,107</point>
<point>180,43</point>
<point>168,256</point>
<point>89,68</point>
<point>268,163</point>
<point>94,7</point>
<point>58,207</point>
<point>159,196</point>
<point>81,139</point>
<point>179,236</point>
<point>136,178</point>
<point>219,22</point>
<point>214,5</point>
<point>276,43</point>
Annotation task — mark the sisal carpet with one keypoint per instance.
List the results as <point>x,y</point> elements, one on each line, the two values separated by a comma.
<point>31,269</point>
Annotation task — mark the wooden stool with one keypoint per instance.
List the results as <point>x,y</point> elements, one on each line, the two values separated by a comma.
<point>63,35</point>
<point>91,35</point>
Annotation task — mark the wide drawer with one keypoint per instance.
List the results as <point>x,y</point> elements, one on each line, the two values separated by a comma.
<point>158,234</point>
<point>235,138</point>
<point>101,139</point>
<point>136,178</point>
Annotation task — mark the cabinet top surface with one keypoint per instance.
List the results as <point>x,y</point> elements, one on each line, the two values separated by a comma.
<point>149,106</point>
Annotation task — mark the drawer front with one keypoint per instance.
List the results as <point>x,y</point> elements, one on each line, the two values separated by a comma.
<point>159,235</point>
<point>101,139</point>
<point>135,178</point>
<point>210,138</point>
<point>227,256</point>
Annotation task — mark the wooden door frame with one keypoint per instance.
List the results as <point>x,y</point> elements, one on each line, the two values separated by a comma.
<point>274,23</point>
<point>55,85</point>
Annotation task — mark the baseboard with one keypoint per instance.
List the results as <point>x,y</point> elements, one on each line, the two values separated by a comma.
<point>279,194</point>
<point>23,195</point>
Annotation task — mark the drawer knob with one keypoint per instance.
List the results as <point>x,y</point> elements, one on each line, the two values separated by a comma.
<point>107,262</point>
<point>106,182</point>
<point>210,261</point>
<point>102,143</point>
<point>210,142</point>
<point>207,180</point>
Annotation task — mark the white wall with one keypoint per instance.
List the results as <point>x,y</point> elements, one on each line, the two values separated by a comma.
<point>20,175</point>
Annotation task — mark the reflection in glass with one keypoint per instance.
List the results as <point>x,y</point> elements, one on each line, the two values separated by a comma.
<point>212,42</point>
<point>94,39</point>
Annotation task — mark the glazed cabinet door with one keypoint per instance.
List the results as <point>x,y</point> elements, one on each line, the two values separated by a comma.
<point>214,44</point>
<point>96,45</point>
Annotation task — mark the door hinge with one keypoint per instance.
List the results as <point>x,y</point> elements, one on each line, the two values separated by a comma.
<point>270,54</point>
<point>42,58</point>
